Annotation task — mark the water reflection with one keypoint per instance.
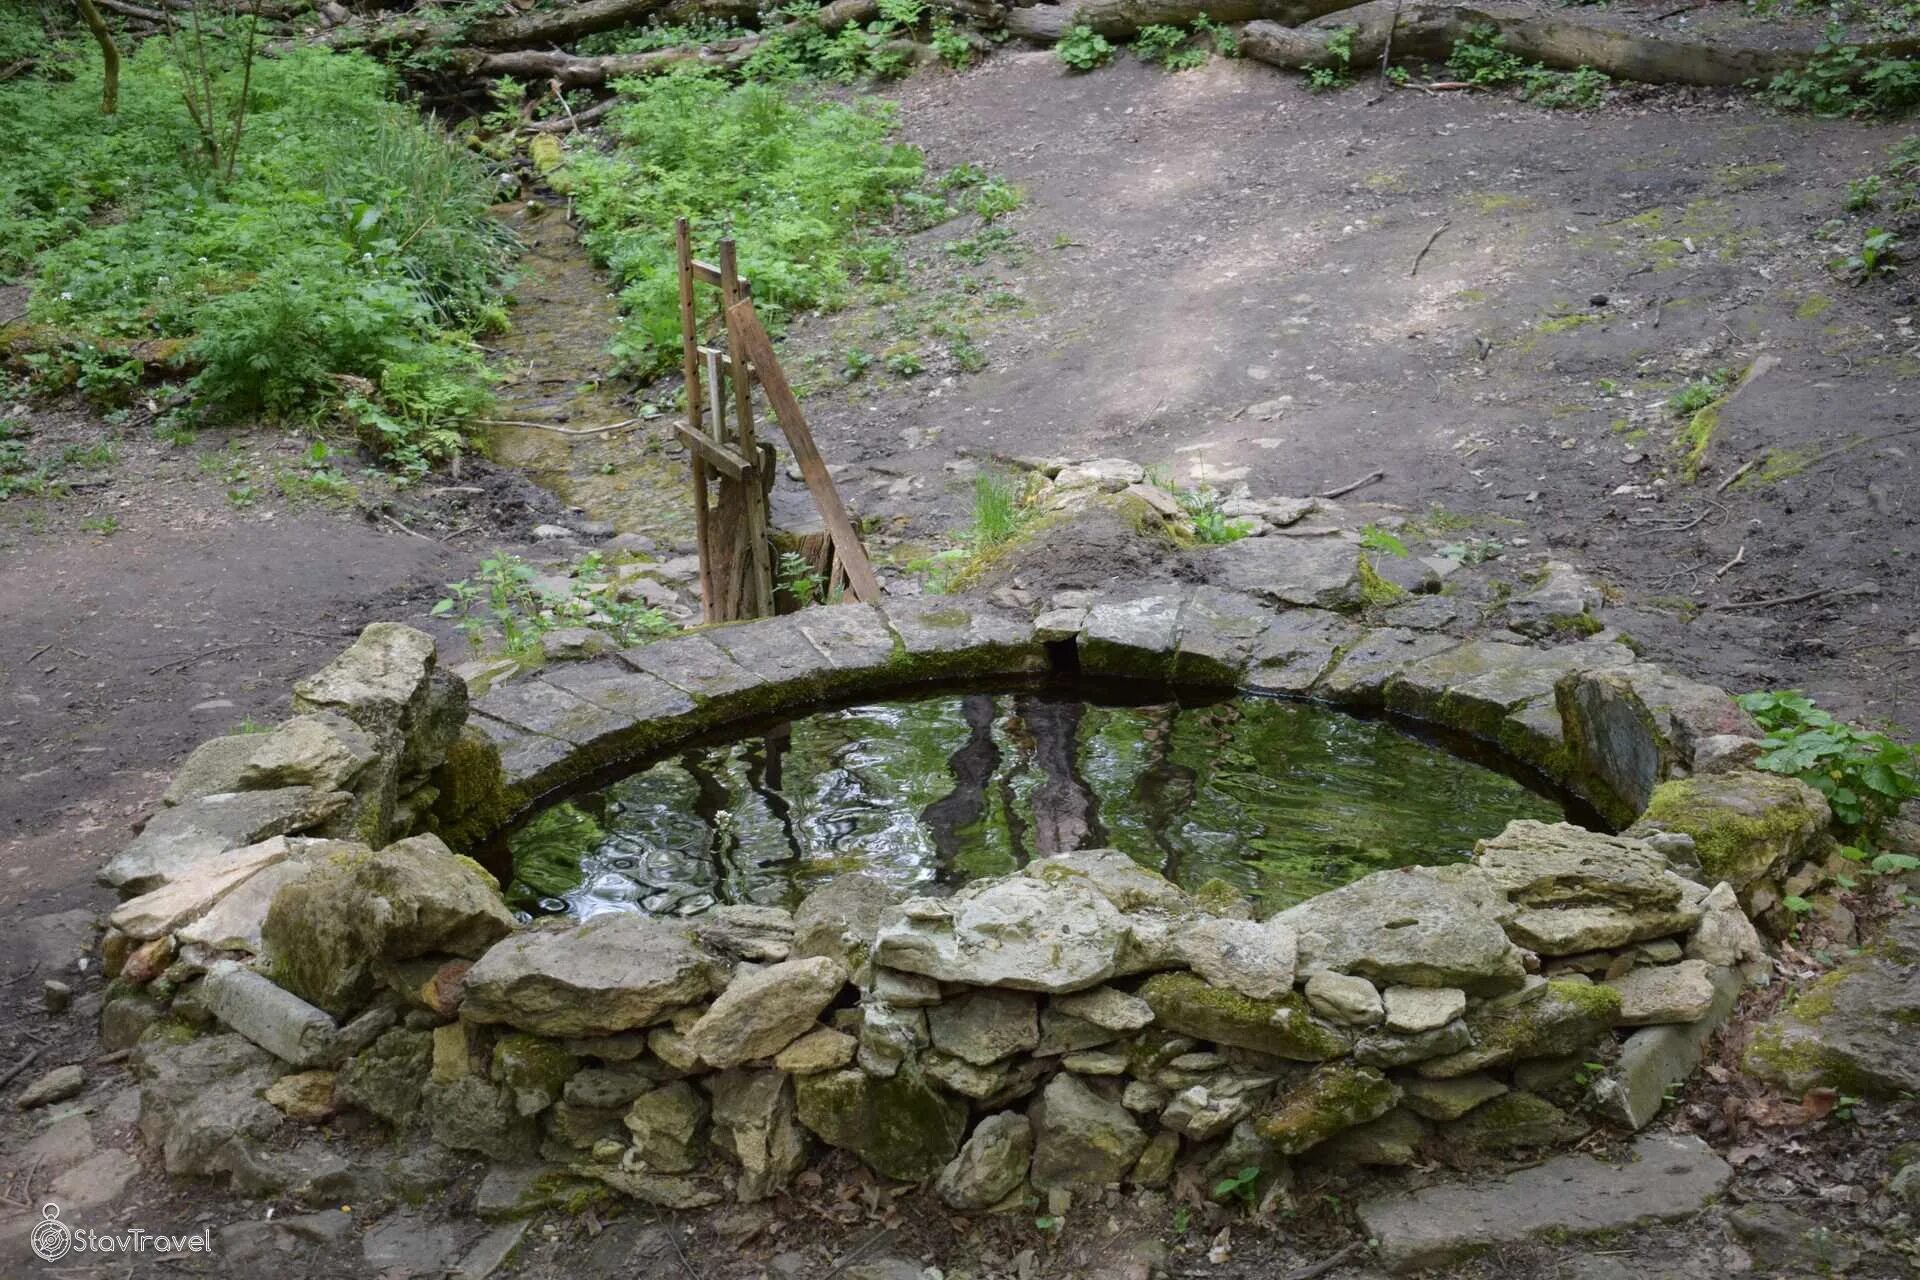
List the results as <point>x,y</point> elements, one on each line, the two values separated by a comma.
<point>1283,800</point>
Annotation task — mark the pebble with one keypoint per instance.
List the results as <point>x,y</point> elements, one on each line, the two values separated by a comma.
<point>57,1085</point>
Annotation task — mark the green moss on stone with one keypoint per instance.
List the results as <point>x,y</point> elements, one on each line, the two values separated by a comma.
<point>1514,1121</point>
<point>1334,1097</point>
<point>535,1070</point>
<point>1374,589</point>
<point>474,799</point>
<point>1285,1028</point>
<point>1738,844</point>
<point>1567,1018</point>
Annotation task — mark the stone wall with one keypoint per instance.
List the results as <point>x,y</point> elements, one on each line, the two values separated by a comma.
<point>305,937</point>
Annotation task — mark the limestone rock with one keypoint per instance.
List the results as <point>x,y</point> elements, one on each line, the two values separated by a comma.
<point>1564,931</point>
<point>1853,1028</point>
<point>889,1037</point>
<point>905,990</point>
<point>474,1114</point>
<point>379,682</point>
<point>1345,999</point>
<point>191,895</point>
<point>1666,1177</point>
<point>1664,993</point>
<point>324,932</point>
<point>1411,1010</point>
<point>1321,572</point>
<point>1256,960</point>
<point>1449,1099</point>
<point>754,1122</point>
<point>991,1165</point>
<point>822,1049</point>
<point>1725,936</point>
<point>841,917</point>
<point>305,1095</point>
<point>234,922</point>
<point>668,1125</point>
<point>533,1071</point>
<point>269,1015</point>
<point>610,974</point>
<point>1426,927</point>
<point>1029,934</point>
<point>1201,1114</point>
<point>1285,1028</point>
<point>1123,882</point>
<point>212,768</point>
<point>177,838</point>
<point>1393,1141</point>
<point>1744,824</point>
<point>1566,1018</point>
<point>982,1027</point>
<point>1559,604</point>
<point>1333,1097</point>
<point>56,1085</point>
<point>1107,1008</point>
<point>901,1126</point>
<point>1627,729</point>
<point>1656,1059</point>
<point>324,751</point>
<point>1081,1139</point>
<point>763,1011</point>
<point>200,1101</point>
<point>1556,864</point>
<point>1395,1049</point>
<point>386,1079</point>
<point>1109,475</point>
<point>1132,638</point>
<point>759,935</point>
<point>1514,1121</point>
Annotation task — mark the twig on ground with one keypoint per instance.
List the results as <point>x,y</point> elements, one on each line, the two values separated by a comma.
<point>1734,479</point>
<point>1658,303</point>
<point>214,652</point>
<point>1421,256</point>
<point>14,1070</point>
<point>1739,557</point>
<point>411,533</point>
<point>673,1235</point>
<point>1386,52</point>
<point>599,111</point>
<point>35,655</point>
<point>1801,598</point>
<point>1327,1263</point>
<point>1362,482</point>
<point>858,1252</point>
<point>1659,526</point>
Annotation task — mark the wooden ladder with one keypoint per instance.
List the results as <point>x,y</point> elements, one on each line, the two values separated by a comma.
<point>736,557</point>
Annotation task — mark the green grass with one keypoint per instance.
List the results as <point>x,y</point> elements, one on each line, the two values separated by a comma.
<point>351,235</point>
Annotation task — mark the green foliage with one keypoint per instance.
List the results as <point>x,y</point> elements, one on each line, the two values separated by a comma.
<point>1243,1186</point>
<point>792,176</point>
<point>950,46</point>
<point>1374,538</point>
<point>24,34</point>
<point>796,576</point>
<point>1338,72</point>
<point>1864,775</point>
<point>1842,80</point>
<point>1082,48</point>
<point>1482,58</point>
<point>1169,46</point>
<point>350,235</point>
<point>1225,40</point>
<point>1210,525</point>
<point>1701,392</point>
<point>506,599</point>
<point>1876,253</point>
<point>995,198</point>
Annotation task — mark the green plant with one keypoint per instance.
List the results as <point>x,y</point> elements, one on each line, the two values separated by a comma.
<point>995,198</point>
<point>854,362</point>
<point>1864,775</point>
<point>1840,79</point>
<point>1082,48</point>
<point>1210,524</point>
<point>1875,255</point>
<point>950,46</point>
<point>105,526</point>
<point>1225,40</point>
<point>1338,71</point>
<point>507,598</point>
<point>798,579</point>
<point>1374,538</point>
<point>1243,1186</point>
<point>1481,58</point>
<point>997,511</point>
<point>792,176</point>
<point>904,364</point>
<point>1169,46</point>
<point>1581,89</point>
<point>1699,393</point>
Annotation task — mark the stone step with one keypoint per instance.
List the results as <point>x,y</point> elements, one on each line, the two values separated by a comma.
<point>1668,1177</point>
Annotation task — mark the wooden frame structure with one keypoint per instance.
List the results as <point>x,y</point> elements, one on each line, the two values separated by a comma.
<point>732,525</point>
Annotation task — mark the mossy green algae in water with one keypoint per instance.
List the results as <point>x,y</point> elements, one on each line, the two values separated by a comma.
<point>1280,799</point>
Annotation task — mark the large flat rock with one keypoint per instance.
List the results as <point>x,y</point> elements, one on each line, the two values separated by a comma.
<point>1669,1177</point>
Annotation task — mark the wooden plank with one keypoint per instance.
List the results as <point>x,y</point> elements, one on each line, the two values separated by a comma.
<point>707,273</point>
<point>759,557</point>
<point>726,361</point>
<point>758,348</point>
<point>690,371</point>
<point>715,455</point>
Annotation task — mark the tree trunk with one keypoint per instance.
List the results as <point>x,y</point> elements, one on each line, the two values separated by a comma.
<point>560,26</point>
<point>576,72</point>
<point>109,56</point>
<point>1118,19</point>
<point>1422,30</point>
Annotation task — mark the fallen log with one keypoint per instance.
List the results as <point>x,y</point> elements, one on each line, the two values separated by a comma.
<point>559,26</point>
<point>1119,19</point>
<point>575,72</point>
<point>1420,30</point>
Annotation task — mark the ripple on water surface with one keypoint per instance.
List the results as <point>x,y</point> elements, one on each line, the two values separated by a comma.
<point>1282,800</point>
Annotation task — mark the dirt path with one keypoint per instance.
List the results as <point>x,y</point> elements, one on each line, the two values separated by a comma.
<point>1217,275</point>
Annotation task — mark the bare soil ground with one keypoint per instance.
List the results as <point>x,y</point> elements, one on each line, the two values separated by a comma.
<point>1214,271</point>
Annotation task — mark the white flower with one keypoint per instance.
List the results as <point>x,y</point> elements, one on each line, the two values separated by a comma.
<point>66,297</point>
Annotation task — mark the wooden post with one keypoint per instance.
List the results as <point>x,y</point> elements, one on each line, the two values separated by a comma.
<point>690,371</point>
<point>749,341</point>
<point>757,561</point>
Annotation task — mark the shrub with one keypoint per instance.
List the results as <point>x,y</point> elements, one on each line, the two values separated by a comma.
<point>1865,776</point>
<point>1082,48</point>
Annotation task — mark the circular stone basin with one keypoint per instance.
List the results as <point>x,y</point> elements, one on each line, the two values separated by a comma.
<point>1282,800</point>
